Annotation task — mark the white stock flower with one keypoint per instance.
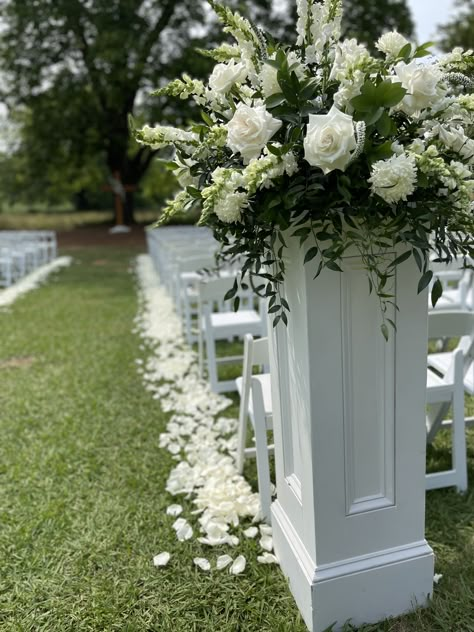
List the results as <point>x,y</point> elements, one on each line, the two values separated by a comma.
<point>225,76</point>
<point>329,141</point>
<point>421,82</point>
<point>250,130</point>
<point>391,43</point>
<point>394,179</point>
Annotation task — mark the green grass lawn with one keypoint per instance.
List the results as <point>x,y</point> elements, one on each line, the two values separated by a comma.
<point>82,500</point>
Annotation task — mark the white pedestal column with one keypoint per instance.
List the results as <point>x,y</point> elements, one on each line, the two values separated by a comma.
<point>349,427</point>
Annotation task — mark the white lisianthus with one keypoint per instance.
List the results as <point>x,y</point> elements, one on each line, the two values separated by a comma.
<point>421,82</point>
<point>225,76</point>
<point>394,179</point>
<point>250,130</point>
<point>391,43</point>
<point>329,141</point>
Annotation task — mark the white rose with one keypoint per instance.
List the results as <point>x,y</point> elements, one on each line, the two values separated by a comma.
<point>329,141</point>
<point>224,76</point>
<point>391,43</point>
<point>421,82</point>
<point>250,130</point>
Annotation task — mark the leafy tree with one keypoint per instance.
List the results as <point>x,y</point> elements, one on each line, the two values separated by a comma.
<point>460,30</point>
<point>75,69</point>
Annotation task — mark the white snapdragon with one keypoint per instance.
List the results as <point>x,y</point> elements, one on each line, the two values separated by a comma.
<point>268,74</point>
<point>348,89</point>
<point>422,84</point>
<point>164,136</point>
<point>330,140</point>
<point>349,56</point>
<point>225,76</point>
<point>325,28</point>
<point>250,130</point>
<point>391,43</point>
<point>454,138</point>
<point>394,179</point>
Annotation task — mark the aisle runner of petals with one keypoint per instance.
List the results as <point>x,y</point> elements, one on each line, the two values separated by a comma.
<point>201,440</point>
<point>31,281</point>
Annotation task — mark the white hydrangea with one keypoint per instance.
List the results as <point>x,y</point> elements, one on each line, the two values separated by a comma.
<point>229,208</point>
<point>391,43</point>
<point>394,179</point>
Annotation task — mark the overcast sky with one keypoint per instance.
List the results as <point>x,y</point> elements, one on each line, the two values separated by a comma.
<point>427,14</point>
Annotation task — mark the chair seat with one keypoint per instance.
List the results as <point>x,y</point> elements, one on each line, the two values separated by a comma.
<point>244,321</point>
<point>441,361</point>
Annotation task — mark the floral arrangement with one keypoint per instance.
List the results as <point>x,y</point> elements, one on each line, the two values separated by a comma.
<point>327,143</point>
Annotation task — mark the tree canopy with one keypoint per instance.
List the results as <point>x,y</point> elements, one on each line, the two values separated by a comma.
<point>75,69</point>
<point>460,30</point>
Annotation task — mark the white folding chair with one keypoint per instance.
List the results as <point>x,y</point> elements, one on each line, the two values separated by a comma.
<point>447,390</point>
<point>256,405</point>
<point>221,325</point>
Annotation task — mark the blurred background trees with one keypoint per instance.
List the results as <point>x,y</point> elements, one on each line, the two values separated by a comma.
<point>72,71</point>
<point>460,30</point>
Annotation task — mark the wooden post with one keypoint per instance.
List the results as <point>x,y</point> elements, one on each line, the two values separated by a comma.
<point>119,190</point>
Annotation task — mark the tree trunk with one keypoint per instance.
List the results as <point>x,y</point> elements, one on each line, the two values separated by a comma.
<point>129,208</point>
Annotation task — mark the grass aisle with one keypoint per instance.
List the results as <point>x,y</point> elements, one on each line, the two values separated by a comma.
<point>82,501</point>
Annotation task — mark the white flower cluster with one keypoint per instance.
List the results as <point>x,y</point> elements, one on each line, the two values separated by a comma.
<point>391,43</point>
<point>197,435</point>
<point>165,135</point>
<point>394,179</point>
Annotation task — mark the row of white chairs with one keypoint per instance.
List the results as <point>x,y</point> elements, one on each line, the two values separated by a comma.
<point>22,251</point>
<point>181,253</point>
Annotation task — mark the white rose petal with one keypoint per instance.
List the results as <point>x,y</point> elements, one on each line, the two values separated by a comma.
<point>161,559</point>
<point>184,533</point>
<point>329,141</point>
<point>174,510</point>
<point>223,561</point>
<point>251,532</point>
<point>266,542</point>
<point>179,523</point>
<point>267,558</point>
<point>250,129</point>
<point>437,577</point>
<point>224,76</point>
<point>265,529</point>
<point>202,563</point>
<point>238,566</point>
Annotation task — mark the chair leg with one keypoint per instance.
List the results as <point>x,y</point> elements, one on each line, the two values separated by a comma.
<point>241,439</point>
<point>211,357</point>
<point>261,444</point>
<point>459,435</point>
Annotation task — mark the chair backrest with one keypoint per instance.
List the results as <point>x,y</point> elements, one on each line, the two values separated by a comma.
<point>214,288</point>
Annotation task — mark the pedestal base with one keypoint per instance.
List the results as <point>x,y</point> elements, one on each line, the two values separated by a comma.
<point>366,589</point>
<point>119,228</point>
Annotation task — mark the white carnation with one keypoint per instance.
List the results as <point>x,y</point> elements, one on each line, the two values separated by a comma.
<point>230,207</point>
<point>394,179</point>
<point>391,43</point>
